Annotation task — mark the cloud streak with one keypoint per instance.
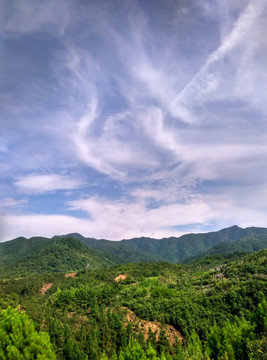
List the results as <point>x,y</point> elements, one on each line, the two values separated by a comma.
<point>38,184</point>
<point>201,88</point>
<point>129,120</point>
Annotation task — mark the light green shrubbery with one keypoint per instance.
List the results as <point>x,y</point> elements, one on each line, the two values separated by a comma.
<point>19,340</point>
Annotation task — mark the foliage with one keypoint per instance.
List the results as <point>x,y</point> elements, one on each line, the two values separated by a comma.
<point>190,245</point>
<point>105,253</point>
<point>219,309</point>
<point>57,255</point>
<point>19,340</point>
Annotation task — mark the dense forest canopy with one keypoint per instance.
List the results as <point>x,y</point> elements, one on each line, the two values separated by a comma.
<point>84,306</point>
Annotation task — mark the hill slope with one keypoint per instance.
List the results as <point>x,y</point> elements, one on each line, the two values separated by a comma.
<point>218,312</point>
<point>179,249</point>
<point>173,249</point>
<point>239,247</point>
<point>13,250</point>
<point>57,255</point>
<point>118,252</point>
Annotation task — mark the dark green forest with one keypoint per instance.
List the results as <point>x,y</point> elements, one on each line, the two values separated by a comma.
<point>60,299</point>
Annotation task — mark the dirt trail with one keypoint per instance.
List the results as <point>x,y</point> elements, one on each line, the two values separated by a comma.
<point>120,277</point>
<point>70,275</point>
<point>45,288</point>
<point>156,326</point>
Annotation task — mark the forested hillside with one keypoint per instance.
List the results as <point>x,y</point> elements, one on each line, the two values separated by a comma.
<point>177,250</point>
<point>214,308</point>
<point>45,255</point>
<point>180,249</point>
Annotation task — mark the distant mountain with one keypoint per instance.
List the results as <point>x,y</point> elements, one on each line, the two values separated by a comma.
<point>54,255</point>
<point>239,247</point>
<point>117,252</point>
<point>74,251</point>
<point>13,250</point>
<point>179,249</point>
<point>246,244</point>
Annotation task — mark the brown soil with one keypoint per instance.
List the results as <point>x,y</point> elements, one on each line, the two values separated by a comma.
<point>156,326</point>
<point>71,275</point>
<point>45,288</point>
<point>120,277</point>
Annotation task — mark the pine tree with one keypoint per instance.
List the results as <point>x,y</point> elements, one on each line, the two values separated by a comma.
<point>133,352</point>
<point>19,340</point>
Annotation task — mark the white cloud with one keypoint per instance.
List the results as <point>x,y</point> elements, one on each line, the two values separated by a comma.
<point>202,87</point>
<point>8,202</point>
<point>124,219</point>
<point>38,184</point>
<point>135,138</point>
<point>41,225</point>
<point>105,102</point>
<point>28,16</point>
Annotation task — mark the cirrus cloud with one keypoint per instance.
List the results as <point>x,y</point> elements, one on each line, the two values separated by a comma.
<point>148,117</point>
<point>37,184</point>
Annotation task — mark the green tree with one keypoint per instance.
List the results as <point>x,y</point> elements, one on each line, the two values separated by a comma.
<point>133,352</point>
<point>73,352</point>
<point>260,317</point>
<point>231,340</point>
<point>19,340</point>
<point>195,349</point>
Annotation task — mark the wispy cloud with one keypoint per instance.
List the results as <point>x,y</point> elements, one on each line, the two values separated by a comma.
<point>203,85</point>
<point>26,17</point>
<point>156,106</point>
<point>124,219</point>
<point>7,202</point>
<point>38,184</point>
<point>37,225</point>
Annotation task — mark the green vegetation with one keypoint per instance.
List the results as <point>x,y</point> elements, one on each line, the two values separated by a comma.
<point>212,308</point>
<point>19,340</point>
<point>57,255</point>
<point>62,253</point>
<point>180,249</point>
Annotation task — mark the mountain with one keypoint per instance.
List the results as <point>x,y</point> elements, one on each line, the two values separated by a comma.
<point>225,252</point>
<point>179,249</point>
<point>117,252</point>
<point>247,244</point>
<point>13,250</point>
<point>53,255</point>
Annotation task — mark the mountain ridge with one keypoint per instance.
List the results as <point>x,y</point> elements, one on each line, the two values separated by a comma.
<point>179,249</point>
<point>173,249</point>
<point>53,255</point>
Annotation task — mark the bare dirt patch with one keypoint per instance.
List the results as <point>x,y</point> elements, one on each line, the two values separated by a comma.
<point>120,277</point>
<point>70,275</point>
<point>45,288</point>
<point>156,327</point>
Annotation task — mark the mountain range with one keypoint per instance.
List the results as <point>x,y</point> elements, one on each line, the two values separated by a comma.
<point>73,252</point>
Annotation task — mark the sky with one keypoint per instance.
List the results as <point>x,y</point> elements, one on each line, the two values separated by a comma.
<point>121,119</point>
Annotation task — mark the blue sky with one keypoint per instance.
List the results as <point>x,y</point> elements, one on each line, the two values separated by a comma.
<point>132,118</point>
